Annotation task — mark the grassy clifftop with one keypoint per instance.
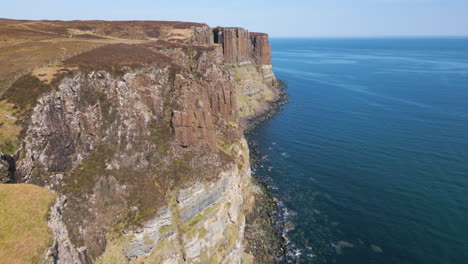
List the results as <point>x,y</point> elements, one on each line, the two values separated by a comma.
<point>24,234</point>
<point>29,45</point>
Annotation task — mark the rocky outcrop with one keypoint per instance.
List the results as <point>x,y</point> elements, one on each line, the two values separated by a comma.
<point>203,223</point>
<point>144,239</point>
<point>261,49</point>
<point>235,43</point>
<point>249,55</point>
<point>203,35</point>
<point>241,45</point>
<point>194,124</point>
<point>144,145</point>
<point>63,251</point>
<point>7,168</point>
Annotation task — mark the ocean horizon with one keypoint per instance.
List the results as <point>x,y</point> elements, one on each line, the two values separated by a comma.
<point>369,37</point>
<point>369,156</point>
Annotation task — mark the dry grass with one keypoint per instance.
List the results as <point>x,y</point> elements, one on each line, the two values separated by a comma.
<point>118,55</point>
<point>48,73</point>
<point>24,234</point>
<point>23,94</point>
<point>21,58</point>
<point>27,45</point>
<point>181,33</point>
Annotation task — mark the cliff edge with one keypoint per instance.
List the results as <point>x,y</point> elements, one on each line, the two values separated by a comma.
<point>138,127</point>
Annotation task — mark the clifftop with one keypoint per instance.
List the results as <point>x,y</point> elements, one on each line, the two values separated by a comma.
<point>27,45</point>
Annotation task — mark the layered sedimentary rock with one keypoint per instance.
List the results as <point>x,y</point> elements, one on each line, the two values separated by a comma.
<point>143,144</point>
<point>203,223</point>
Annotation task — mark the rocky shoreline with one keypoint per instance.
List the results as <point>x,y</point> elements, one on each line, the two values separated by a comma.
<point>278,218</point>
<point>265,229</point>
<point>273,107</point>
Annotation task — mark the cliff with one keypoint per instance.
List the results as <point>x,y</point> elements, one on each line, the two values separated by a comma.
<point>241,45</point>
<point>248,56</point>
<point>139,132</point>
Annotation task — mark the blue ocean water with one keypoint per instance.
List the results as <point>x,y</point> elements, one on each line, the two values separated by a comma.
<point>371,153</point>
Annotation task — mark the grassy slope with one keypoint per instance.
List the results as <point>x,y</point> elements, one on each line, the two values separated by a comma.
<point>28,45</point>
<point>24,234</point>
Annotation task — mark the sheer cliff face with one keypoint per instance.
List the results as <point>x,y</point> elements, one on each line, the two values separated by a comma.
<point>249,57</point>
<point>144,145</point>
<point>241,45</point>
<point>261,48</point>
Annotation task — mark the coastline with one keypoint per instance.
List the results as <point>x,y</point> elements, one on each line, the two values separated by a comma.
<point>252,122</point>
<point>265,230</point>
<point>171,113</point>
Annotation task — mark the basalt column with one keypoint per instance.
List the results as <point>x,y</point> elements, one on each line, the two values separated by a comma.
<point>235,42</point>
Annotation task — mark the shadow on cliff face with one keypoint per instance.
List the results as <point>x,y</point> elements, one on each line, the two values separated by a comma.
<point>9,163</point>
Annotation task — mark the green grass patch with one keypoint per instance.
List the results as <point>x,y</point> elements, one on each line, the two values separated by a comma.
<point>165,229</point>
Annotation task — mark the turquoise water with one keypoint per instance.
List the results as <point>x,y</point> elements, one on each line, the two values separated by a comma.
<point>372,149</point>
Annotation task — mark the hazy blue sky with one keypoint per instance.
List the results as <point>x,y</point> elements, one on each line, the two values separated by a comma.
<point>278,18</point>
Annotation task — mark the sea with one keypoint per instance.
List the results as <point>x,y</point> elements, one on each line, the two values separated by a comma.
<point>369,159</point>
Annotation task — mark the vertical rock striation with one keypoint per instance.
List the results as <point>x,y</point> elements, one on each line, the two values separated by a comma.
<point>144,145</point>
<point>235,42</point>
<point>249,55</point>
<point>240,45</point>
<point>261,50</point>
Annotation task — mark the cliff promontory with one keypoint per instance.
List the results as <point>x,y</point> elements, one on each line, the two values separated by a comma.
<point>138,129</point>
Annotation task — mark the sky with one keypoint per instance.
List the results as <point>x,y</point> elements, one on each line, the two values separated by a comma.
<point>285,18</point>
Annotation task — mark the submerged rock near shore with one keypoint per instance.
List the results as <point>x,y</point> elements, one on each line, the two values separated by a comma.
<point>138,127</point>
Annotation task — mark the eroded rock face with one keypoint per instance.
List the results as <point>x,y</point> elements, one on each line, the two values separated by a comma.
<point>7,168</point>
<point>149,159</point>
<point>203,35</point>
<point>146,238</point>
<point>204,223</point>
<point>63,251</point>
<point>240,45</point>
<point>235,42</point>
<point>193,125</point>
